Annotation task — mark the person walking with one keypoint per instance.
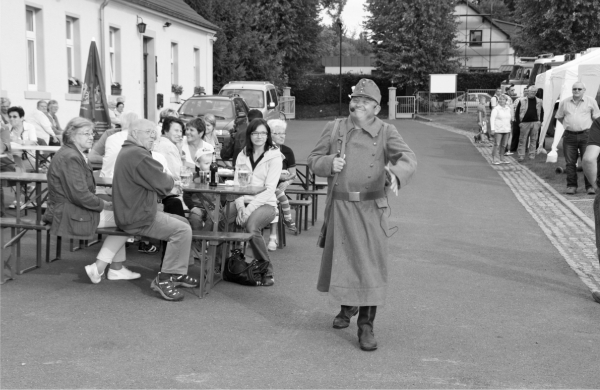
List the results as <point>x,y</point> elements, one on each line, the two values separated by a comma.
<point>357,154</point>
<point>500,122</point>
<point>576,114</point>
<point>528,116</point>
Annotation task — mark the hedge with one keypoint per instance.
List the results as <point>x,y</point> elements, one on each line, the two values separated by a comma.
<point>323,88</point>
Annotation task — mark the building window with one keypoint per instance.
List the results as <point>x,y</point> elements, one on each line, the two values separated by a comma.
<point>476,37</point>
<point>174,75</point>
<point>31,33</point>
<point>70,47</point>
<point>196,67</point>
<point>114,53</point>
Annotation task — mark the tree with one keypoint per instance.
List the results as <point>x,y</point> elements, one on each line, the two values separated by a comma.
<point>557,26</point>
<point>413,38</point>
<point>499,9</point>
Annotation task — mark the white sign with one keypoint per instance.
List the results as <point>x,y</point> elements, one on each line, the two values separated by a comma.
<point>442,83</point>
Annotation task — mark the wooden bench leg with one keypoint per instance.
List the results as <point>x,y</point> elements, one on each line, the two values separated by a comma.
<point>58,250</point>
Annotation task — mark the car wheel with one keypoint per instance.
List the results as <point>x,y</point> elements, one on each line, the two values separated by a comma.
<point>459,110</point>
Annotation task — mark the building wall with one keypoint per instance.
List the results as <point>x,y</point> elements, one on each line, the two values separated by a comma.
<point>479,56</point>
<point>349,69</point>
<point>52,63</point>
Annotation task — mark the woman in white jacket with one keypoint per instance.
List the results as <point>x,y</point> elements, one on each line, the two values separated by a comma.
<point>500,123</point>
<point>254,213</point>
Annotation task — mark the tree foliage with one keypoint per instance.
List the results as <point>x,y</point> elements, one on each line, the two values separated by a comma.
<point>272,40</point>
<point>499,9</point>
<point>557,26</point>
<point>413,38</point>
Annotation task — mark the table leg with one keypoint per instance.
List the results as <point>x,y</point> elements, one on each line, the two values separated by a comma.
<point>37,161</point>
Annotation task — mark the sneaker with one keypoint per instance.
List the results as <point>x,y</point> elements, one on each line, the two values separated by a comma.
<point>23,206</point>
<point>289,223</point>
<point>504,162</point>
<point>185,281</point>
<point>166,288</point>
<point>92,271</point>
<point>591,191</point>
<point>147,248</point>
<point>509,153</point>
<point>272,244</point>
<point>571,190</point>
<point>496,162</point>
<point>121,274</point>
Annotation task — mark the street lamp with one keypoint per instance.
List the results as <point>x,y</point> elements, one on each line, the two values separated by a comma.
<point>339,23</point>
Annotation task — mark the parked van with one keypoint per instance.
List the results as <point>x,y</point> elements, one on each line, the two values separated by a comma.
<point>259,95</point>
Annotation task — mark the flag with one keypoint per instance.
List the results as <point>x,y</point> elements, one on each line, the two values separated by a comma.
<point>93,98</point>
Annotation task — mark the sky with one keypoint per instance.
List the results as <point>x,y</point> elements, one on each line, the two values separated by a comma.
<point>352,17</point>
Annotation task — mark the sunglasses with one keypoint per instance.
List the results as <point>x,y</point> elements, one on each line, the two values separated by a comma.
<point>577,89</point>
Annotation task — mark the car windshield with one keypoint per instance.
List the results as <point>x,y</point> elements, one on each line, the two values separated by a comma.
<point>221,109</point>
<point>253,98</point>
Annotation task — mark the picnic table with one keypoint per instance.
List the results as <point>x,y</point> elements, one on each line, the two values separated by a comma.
<point>38,151</point>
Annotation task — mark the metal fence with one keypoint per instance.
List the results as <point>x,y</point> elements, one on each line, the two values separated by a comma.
<point>428,103</point>
<point>405,106</point>
<point>287,105</point>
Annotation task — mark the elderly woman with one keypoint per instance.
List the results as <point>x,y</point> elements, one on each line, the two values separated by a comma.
<point>74,210</point>
<point>210,135</point>
<point>500,122</point>
<point>263,159</point>
<point>288,174</point>
<point>193,146</point>
<point>164,114</point>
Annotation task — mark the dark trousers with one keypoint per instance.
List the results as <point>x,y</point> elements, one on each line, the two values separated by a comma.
<point>516,133</point>
<point>573,146</point>
<point>597,222</point>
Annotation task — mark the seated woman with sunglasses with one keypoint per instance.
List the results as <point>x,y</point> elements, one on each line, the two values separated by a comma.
<point>263,159</point>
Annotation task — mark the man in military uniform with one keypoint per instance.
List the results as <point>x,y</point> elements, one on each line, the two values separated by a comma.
<point>354,262</point>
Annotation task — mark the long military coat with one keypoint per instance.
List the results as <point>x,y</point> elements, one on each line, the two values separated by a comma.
<point>354,263</point>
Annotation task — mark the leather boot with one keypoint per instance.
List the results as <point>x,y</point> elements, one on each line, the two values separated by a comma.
<point>342,320</point>
<point>366,338</point>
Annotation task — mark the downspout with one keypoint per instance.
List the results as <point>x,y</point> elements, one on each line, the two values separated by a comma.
<point>102,49</point>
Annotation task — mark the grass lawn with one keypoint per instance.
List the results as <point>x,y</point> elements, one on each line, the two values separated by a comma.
<point>546,171</point>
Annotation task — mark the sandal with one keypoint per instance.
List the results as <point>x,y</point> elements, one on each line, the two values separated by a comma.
<point>166,288</point>
<point>185,281</point>
<point>147,248</point>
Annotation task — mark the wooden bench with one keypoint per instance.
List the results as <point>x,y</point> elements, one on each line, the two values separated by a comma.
<point>297,205</point>
<point>313,194</point>
<point>18,230</point>
<point>209,240</point>
<point>108,231</point>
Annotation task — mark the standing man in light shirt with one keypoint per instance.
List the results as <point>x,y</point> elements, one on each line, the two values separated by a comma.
<point>43,126</point>
<point>576,114</point>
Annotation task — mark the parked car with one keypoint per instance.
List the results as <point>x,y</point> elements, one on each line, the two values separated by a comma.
<point>459,104</point>
<point>260,95</point>
<point>229,111</point>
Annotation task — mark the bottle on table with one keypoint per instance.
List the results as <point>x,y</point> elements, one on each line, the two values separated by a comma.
<point>214,168</point>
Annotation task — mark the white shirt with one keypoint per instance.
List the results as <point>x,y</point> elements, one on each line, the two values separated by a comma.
<point>206,148</point>
<point>28,133</point>
<point>111,151</point>
<point>43,126</point>
<point>500,119</point>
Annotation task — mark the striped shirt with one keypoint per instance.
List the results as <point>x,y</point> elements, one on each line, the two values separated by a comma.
<point>578,116</point>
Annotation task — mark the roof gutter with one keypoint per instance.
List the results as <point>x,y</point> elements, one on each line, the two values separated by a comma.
<point>102,49</point>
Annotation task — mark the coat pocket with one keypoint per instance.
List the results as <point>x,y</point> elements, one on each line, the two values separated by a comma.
<point>81,222</point>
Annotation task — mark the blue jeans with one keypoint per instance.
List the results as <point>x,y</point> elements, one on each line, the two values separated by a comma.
<point>258,220</point>
<point>573,146</point>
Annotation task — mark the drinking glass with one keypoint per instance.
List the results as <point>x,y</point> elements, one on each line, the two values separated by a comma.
<point>186,176</point>
<point>243,177</point>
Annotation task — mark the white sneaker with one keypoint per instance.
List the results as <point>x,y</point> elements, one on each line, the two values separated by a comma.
<point>92,272</point>
<point>272,245</point>
<point>122,274</point>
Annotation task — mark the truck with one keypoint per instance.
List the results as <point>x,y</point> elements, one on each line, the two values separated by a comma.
<point>519,74</point>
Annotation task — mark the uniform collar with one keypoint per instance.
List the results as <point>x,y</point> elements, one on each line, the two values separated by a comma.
<point>372,129</point>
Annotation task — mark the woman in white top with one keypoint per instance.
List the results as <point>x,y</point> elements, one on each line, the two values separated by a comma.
<point>500,124</point>
<point>193,146</point>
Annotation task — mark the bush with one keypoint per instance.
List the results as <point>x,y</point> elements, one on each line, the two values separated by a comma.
<point>480,80</point>
<point>324,89</point>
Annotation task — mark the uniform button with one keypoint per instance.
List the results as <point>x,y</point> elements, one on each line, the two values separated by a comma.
<point>337,184</point>
<point>81,219</point>
<point>371,164</point>
<point>374,143</point>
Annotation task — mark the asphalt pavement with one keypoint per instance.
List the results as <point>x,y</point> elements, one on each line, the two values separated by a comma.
<point>478,298</point>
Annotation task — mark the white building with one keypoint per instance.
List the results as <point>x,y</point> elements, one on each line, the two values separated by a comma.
<point>484,43</point>
<point>45,42</point>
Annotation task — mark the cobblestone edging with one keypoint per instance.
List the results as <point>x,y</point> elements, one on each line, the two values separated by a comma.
<point>566,226</point>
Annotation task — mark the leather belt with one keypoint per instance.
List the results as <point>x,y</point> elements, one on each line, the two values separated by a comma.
<point>358,196</point>
<point>576,132</point>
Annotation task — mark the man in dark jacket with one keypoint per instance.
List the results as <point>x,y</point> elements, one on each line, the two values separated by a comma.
<point>529,115</point>
<point>237,140</point>
<point>139,182</point>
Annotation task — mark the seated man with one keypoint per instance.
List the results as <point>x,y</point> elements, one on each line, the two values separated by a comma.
<point>138,182</point>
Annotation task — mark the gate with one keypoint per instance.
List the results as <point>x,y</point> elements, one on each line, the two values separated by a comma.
<point>287,105</point>
<point>405,107</point>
